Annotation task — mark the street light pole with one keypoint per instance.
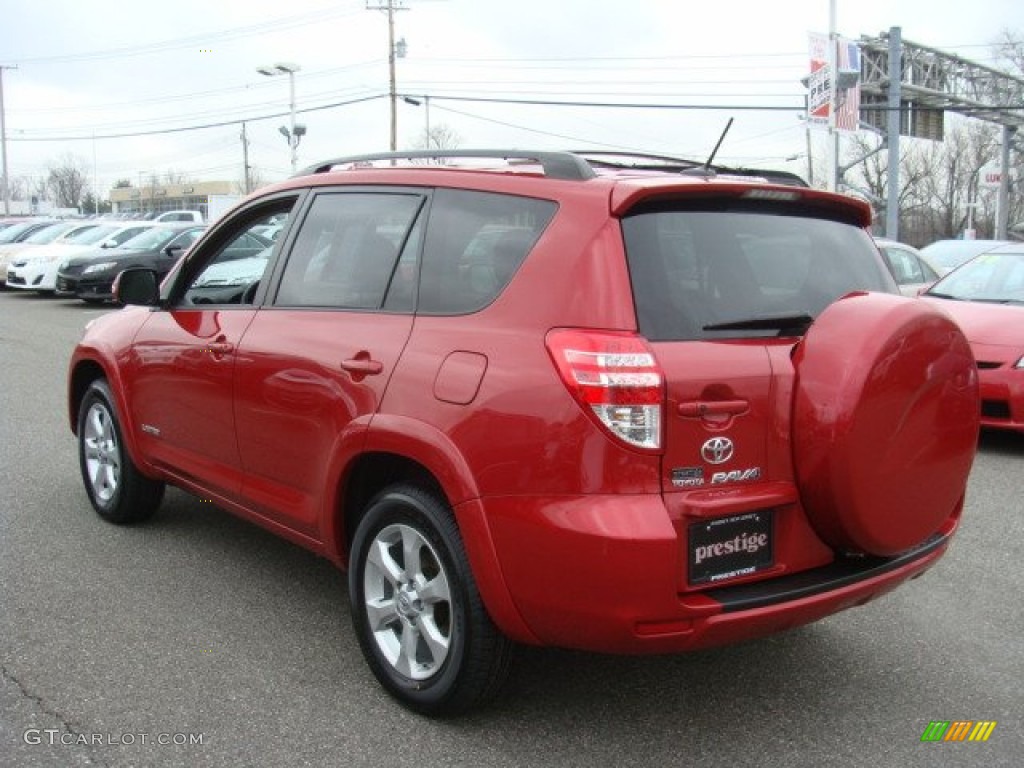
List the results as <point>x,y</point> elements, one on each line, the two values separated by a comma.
<point>293,133</point>
<point>3,144</point>
<point>425,103</point>
<point>291,108</point>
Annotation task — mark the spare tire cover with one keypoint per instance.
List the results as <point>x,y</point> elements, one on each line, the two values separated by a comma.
<point>885,422</point>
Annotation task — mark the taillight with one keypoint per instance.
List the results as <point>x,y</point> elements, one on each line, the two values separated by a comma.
<point>616,378</point>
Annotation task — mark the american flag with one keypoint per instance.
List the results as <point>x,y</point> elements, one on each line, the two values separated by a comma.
<point>848,99</point>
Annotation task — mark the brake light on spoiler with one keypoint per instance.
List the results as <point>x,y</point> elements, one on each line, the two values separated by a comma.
<point>616,379</point>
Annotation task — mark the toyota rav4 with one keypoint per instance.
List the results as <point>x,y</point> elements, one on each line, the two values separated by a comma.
<point>629,405</point>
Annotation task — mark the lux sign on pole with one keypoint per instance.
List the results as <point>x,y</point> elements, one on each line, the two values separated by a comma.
<point>821,82</point>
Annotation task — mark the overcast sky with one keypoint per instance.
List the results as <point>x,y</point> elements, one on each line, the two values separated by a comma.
<point>103,68</point>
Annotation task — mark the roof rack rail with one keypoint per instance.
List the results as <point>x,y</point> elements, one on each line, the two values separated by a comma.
<point>606,158</point>
<point>649,162</point>
<point>556,165</point>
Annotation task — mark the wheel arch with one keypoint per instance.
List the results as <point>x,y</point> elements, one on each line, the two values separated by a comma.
<point>400,450</point>
<point>83,372</point>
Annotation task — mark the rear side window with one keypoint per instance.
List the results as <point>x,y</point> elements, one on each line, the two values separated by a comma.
<point>347,251</point>
<point>475,243</point>
<point>691,269</point>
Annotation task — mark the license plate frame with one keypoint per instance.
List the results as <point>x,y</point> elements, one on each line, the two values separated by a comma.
<point>726,548</point>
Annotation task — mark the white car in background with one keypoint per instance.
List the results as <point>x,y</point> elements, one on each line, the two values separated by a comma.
<point>54,232</point>
<point>36,270</point>
<point>912,270</point>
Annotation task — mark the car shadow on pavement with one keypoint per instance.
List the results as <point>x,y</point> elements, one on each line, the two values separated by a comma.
<point>1002,442</point>
<point>302,602</point>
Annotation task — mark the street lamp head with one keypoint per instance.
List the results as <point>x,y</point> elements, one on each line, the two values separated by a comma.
<point>281,68</point>
<point>300,129</point>
<point>283,130</point>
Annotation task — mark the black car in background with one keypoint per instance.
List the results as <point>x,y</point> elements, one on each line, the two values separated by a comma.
<point>91,275</point>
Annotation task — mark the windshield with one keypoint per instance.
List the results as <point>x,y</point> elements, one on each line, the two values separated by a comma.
<point>150,240</point>
<point>994,277</point>
<point>712,274</point>
<point>12,233</point>
<point>92,235</point>
<point>950,254</point>
<point>48,234</point>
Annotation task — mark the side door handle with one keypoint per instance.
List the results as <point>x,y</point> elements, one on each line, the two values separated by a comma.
<point>221,347</point>
<point>362,365</point>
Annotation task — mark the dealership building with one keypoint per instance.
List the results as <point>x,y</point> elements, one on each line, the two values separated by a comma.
<point>194,196</point>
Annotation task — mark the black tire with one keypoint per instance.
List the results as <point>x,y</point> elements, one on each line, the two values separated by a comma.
<point>117,490</point>
<point>432,645</point>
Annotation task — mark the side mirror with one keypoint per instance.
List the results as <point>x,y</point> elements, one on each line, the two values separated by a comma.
<point>173,251</point>
<point>108,244</point>
<point>138,286</point>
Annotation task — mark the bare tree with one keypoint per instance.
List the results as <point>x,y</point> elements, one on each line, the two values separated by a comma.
<point>67,181</point>
<point>257,179</point>
<point>1010,51</point>
<point>439,136</point>
<point>174,178</point>
<point>21,187</point>
<point>39,188</point>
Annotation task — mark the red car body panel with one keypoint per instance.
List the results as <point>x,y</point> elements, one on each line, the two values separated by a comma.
<point>996,336</point>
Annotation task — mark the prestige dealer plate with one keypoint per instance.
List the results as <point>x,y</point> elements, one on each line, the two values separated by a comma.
<point>729,547</point>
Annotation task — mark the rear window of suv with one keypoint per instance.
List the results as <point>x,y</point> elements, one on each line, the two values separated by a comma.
<point>691,269</point>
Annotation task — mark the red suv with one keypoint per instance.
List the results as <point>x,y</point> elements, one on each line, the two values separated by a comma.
<point>610,404</point>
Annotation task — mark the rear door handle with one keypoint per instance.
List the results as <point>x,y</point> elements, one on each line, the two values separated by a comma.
<point>221,347</point>
<point>362,366</point>
<point>696,409</point>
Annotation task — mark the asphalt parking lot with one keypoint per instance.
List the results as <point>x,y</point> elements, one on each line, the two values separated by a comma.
<point>197,627</point>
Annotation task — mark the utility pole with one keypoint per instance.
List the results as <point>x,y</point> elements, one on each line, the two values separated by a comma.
<point>245,160</point>
<point>390,6</point>
<point>3,144</point>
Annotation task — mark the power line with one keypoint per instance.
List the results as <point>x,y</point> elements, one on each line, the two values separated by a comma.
<point>183,129</point>
<point>275,25</point>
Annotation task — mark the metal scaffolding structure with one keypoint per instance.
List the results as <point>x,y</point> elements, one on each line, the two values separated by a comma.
<point>906,88</point>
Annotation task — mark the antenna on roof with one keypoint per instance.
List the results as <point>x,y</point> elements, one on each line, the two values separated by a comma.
<point>707,165</point>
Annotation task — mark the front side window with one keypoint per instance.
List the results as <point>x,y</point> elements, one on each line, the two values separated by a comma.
<point>346,254</point>
<point>693,270</point>
<point>229,268</point>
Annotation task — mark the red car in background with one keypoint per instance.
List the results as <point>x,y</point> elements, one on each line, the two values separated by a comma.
<point>986,298</point>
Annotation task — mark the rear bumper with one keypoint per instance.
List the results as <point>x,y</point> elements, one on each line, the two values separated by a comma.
<point>602,574</point>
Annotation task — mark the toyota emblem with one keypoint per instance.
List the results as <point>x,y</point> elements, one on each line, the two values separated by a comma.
<point>717,450</point>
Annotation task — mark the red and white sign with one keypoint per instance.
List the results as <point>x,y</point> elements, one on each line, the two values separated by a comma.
<point>990,177</point>
<point>822,81</point>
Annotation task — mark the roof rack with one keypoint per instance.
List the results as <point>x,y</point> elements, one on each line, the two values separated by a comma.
<point>648,162</point>
<point>556,165</point>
